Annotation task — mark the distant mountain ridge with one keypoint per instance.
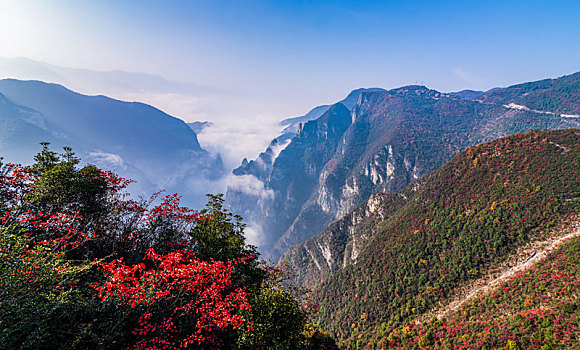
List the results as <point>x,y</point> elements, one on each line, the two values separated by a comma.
<point>134,139</point>
<point>349,101</point>
<point>21,129</point>
<point>468,94</point>
<point>197,127</point>
<point>80,79</point>
<point>561,95</point>
<point>393,138</point>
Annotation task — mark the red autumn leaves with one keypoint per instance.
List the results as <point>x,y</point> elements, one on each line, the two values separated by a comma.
<point>187,288</point>
<point>169,289</point>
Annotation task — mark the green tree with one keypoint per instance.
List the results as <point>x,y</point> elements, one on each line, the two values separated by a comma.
<point>219,234</point>
<point>64,187</point>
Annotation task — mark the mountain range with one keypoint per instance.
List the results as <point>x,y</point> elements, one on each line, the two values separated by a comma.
<point>417,218</point>
<point>134,139</point>
<point>322,169</point>
<point>322,166</point>
<point>117,83</point>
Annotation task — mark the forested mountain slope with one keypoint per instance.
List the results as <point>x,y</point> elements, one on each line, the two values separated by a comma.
<point>398,137</point>
<point>393,138</point>
<point>535,309</point>
<point>457,223</point>
<point>560,95</point>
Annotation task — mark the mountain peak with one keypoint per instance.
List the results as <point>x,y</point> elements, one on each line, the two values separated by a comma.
<point>353,97</point>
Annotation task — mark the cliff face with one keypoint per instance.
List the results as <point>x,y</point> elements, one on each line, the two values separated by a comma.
<point>391,138</point>
<point>340,243</point>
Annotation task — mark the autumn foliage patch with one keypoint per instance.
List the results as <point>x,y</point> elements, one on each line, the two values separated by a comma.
<point>459,222</point>
<point>84,265</point>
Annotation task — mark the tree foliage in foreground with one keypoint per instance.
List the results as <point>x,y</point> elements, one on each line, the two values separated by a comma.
<point>84,266</point>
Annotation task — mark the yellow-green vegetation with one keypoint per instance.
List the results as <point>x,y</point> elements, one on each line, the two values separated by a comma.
<point>463,219</point>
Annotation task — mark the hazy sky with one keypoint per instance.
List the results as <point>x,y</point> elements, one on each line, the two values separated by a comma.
<point>279,58</point>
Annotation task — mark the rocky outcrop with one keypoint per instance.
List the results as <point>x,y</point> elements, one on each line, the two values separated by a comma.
<point>393,138</point>
<point>339,244</point>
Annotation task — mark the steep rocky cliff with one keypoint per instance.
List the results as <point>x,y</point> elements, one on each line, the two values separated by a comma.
<point>292,176</point>
<point>340,243</point>
<point>393,138</point>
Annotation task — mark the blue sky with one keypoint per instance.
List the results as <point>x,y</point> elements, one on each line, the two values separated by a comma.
<point>280,58</point>
<point>338,45</point>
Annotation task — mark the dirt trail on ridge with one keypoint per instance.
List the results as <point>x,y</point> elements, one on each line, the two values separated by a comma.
<point>525,258</point>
